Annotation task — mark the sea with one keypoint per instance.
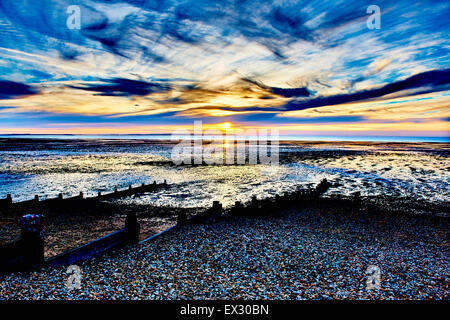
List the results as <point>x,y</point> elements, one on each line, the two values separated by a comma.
<point>404,167</point>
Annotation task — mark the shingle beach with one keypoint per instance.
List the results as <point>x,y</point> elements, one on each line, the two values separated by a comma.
<point>297,255</point>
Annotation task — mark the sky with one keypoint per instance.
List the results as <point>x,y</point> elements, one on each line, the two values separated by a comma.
<point>302,67</point>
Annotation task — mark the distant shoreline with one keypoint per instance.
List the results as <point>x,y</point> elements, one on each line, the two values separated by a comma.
<point>283,138</point>
<point>168,139</point>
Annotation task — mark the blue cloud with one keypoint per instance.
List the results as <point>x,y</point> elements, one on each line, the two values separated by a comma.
<point>431,81</point>
<point>124,87</point>
<point>11,89</point>
<point>180,42</point>
<point>285,92</point>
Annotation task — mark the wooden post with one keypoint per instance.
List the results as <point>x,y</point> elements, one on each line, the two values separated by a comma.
<point>217,206</point>
<point>8,198</point>
<point>254,206</point>
<point>277,199</point>
<point>298,197</point>
<point>216,209</point>
<point>356,203</point>
<point>308,195</point>
<point>133,227</point>
<point>266,206</point>
<point>238,208</point>
<point>286,197</point>
<point>323,186</point>
<point>32,238</point>
<point>182,218</point>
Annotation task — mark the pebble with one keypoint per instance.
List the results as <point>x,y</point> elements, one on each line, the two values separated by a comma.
<point>298,255</point>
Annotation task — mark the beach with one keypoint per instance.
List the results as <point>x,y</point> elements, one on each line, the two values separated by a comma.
<point>224,150</point>
<point>318,250</point>
<point>70,227</point>
<point>392,177</point>
<point>307,253</point>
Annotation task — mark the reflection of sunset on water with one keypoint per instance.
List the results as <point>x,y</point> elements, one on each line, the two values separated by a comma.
<point>403,170</point>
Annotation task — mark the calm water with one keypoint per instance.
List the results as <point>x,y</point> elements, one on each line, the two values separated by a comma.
<point>57,166</point>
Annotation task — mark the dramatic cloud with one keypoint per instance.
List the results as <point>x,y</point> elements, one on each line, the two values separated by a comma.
<point>285,92</point>
<point>431,81</point>
<point>10,89</point>
<point>250,62</point>
<point>124,87</point>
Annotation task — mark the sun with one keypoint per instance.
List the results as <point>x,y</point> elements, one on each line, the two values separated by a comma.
<point>226,125</point>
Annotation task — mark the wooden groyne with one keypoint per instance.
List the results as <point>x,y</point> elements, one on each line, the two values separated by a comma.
<point>28,252</point>
<point>264,207</point>
<point>126,236</point>
<point>80,198</point>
